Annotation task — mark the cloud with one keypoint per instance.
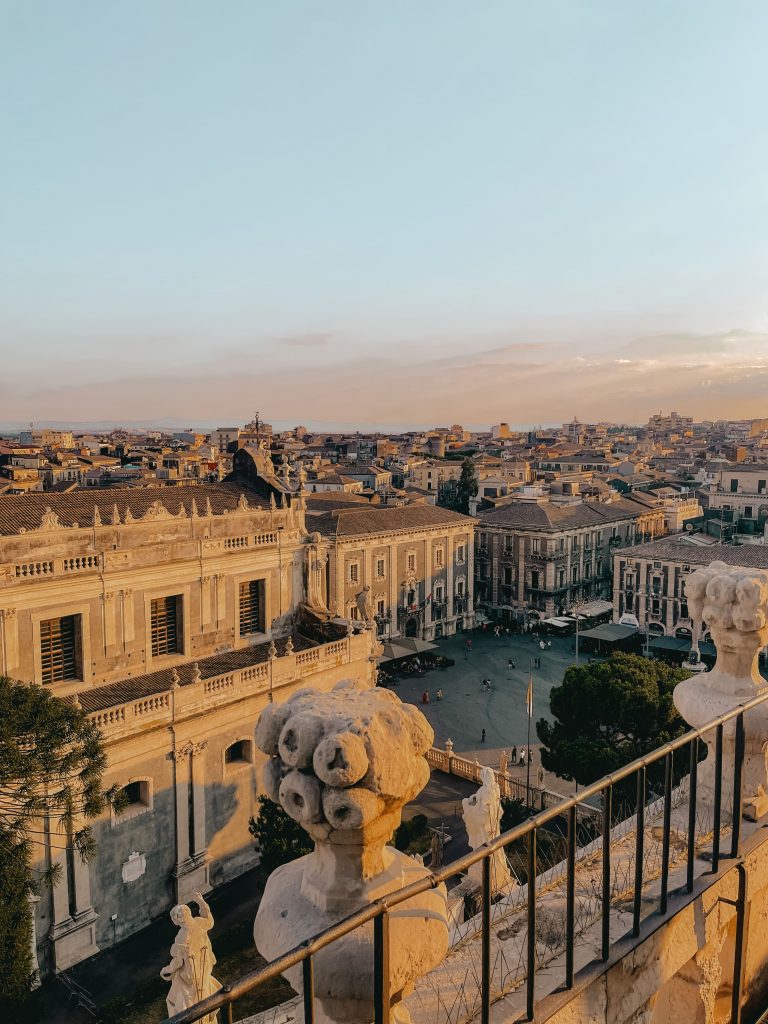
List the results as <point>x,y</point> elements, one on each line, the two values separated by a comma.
<point>706,376</point>
<point>305,341</point>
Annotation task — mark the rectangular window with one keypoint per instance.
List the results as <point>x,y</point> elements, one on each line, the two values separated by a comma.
<point>251,596</point>
<point>439,557</point>
<point>761,486</point>
<point>381,609</point>
<point>507,576</point>
<point>534,580</point>
<point>734,486</point>
<point>380,568</point>
<point>535,544</point>
<point>411,562</point>
<point>166,635</point>
<point>460,554</point>
<point>59,648</point>
<point>747,511</point>
<point>460,588</point>
<point>354,572</point>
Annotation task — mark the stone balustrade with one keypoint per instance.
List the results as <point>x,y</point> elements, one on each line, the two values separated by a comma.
<point>264,677</point>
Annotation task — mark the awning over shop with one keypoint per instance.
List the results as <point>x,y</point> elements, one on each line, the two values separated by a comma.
<point>559,622</point>
<point>414,645</point>
<point>611,632</point>
<point>672,644</point>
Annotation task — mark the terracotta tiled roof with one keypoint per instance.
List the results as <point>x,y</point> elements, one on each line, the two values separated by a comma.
<point>373,520</point>
<point>746,556</point>
<point>24,511</point>
<point>111,694</point>
<point>550,517</point>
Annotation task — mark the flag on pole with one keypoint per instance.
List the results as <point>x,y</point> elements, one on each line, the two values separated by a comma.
<point>529,696</point>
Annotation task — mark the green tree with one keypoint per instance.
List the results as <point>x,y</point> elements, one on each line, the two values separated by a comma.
<point>51,767</point>
<point>466,487</point>
<point>277,837</point>
<point>608,713</point>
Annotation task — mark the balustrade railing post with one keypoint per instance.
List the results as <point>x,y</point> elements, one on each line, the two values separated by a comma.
<point>381,994</point>
<point>570,905</point>
<point>666,832</point>
<point>485,980</point>
<point>639,845</point>
<point>606,886</point>
<point>531,977</point>
<point>738,796</point>
<point>718,798</point>
<point>692,794</point>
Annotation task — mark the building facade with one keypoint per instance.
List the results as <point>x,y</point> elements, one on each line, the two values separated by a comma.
<point>418,561</point>
<point>173,616</point>
<point>535,556</point>
<point>649,580</point>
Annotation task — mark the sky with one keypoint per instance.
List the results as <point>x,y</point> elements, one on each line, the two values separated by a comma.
<point>401,213</point>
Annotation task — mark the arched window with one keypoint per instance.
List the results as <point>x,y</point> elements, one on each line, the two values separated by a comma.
<point>132,799</point>
<point>239,752</point>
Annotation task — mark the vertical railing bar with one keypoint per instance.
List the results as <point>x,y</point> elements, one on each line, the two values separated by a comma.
<point>230,1011</point>
<point>381,996</point>
<point>485,982</point>
<point>531,977</point>
<point>606,930</point>
<point>308,978</point>
<point>718,798</point>
<point>666,832</point>
<point>692,794</point>
<point>639,843</point>
<point>738,795</point>
<point>570,905</point>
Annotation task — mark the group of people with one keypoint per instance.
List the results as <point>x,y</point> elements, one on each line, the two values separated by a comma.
<point>425,695</point>
<point>524,757</point>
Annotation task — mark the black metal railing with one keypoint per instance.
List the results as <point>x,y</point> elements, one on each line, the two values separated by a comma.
<point>657,766</point>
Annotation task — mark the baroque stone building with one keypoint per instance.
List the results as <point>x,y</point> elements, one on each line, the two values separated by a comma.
<point>417,559</point>
<point>649,580</point>
<point>173,616</point>
<point>543,557</point>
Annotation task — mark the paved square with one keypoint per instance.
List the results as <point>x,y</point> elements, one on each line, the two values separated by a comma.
<point>466,708</point>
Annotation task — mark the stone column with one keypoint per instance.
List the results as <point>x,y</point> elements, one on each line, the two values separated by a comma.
<point>394,588</point>
<point>427,622</point>
<point>128,617</point>
<point>450,605</point>
<point>110,624</point>
<point>10,640</point>
<point>198,799</point>
<point>470,588</point>
<point>221,600</point>
<point>205,603</point>
<point>191,865</point>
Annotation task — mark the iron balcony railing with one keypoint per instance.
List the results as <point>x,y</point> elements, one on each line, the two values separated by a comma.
<point>603,789</point>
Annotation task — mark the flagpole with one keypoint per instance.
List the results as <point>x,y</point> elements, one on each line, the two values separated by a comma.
<point>529,703</point>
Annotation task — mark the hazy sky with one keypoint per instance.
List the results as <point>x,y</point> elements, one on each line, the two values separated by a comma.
<point>405,211</point>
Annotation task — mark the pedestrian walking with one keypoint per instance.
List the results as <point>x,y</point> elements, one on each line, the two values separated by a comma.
<point>439,694</point>
<point>521,762</point>
<point>510,664</point>
<point>482,736</point>
<point>513,755</point>
<point>540,776</point>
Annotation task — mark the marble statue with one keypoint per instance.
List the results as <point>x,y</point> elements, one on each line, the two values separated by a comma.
<point>343,764</point>
<point>734,605</point>
<point>192,960</point>
<point>365,605</point>
<point>482,817</point>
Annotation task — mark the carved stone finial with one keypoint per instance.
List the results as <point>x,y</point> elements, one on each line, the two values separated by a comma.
<point>449,746</point>
<point>343,764</point>
<point>208,507</point>
<point>76,700</point>
<point>49,520</point>
<point>289,645</point>
<point>272,650</point>
<point>272,500</point>
<point>194,513</point>
<point>350,628</point>
<point>175,681</point>
<point>115,516</point>
<point>242,504</point>
<point>734,604</point>
<point>96,516</point>
<point>182,513</point>
<point>196,673</point>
